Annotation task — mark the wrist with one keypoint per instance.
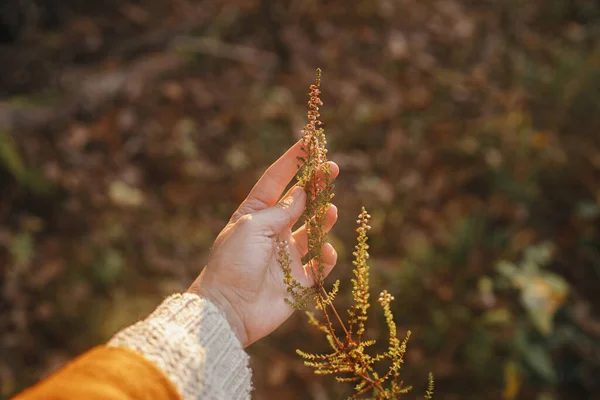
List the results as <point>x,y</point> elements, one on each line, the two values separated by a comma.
<point>226,307</point>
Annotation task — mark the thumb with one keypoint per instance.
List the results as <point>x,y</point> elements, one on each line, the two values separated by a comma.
<point>283,214</point>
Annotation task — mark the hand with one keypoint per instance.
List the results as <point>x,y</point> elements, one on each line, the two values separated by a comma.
<point>243,277</point>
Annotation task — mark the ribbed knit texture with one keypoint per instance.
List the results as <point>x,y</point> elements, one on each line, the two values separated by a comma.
<point>189,339</point>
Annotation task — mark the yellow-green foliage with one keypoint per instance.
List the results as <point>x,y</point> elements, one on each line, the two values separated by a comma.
<point>348,359</point>
<point>301,295</point>
<point>358,312</point>
<point>430,385</point>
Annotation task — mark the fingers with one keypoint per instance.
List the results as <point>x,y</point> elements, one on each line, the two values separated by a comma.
<point>300,235</point>
<point>334,170</point>
<point>283,215</point>
<point>329,261</point>
<point>269,187</point>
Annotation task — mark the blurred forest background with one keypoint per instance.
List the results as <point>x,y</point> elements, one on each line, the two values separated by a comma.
<point>131,130</point>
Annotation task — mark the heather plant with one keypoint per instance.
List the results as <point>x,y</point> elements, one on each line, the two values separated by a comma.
<point>315,177</point>
<point>348,359</point>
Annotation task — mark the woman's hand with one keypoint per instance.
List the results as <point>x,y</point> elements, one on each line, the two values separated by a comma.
<point>242,276</point>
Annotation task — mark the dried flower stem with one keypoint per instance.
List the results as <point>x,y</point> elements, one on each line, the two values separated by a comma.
<point>348,359</point>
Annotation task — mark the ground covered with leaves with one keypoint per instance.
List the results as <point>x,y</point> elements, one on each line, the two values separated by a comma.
<point>130,131</point>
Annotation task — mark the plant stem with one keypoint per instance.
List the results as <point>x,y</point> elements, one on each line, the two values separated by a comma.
<point>336,314</point>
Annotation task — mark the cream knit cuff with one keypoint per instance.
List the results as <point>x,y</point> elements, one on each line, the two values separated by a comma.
<point>189,339</point>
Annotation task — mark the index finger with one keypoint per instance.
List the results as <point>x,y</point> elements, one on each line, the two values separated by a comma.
<point>269,187</point>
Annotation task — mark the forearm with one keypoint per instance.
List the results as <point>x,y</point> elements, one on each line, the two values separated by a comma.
<point>184,349</point>
<point>189,339</point>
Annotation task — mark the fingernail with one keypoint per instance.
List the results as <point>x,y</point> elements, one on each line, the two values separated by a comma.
<point>335,209</point>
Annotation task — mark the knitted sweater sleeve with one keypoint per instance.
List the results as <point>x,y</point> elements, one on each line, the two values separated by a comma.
<point>189,339</point>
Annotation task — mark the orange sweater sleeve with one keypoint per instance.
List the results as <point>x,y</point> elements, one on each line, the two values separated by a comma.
<point>107,373</point>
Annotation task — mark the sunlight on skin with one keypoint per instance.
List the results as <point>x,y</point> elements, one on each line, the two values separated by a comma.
<point>242,276</point>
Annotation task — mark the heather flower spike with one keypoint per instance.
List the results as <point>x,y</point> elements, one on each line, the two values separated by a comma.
<point>348,359</point>
<point>319,191</point>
